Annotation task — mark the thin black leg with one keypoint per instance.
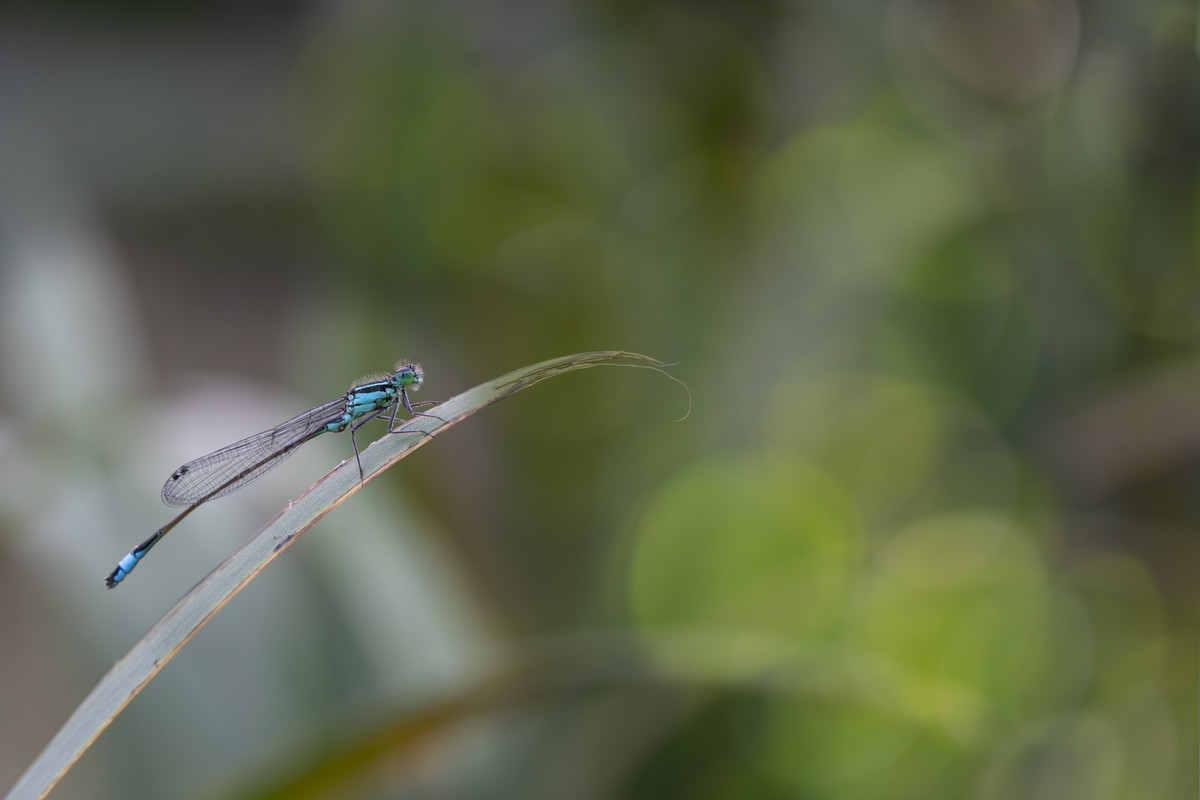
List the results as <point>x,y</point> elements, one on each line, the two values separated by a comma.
<point>409,407</point>
<point>354,441</point>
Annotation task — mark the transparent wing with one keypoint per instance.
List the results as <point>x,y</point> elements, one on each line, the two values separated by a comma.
<point>230,468</point>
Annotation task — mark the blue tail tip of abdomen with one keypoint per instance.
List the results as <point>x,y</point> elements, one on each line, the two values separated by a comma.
<point>124,567</point>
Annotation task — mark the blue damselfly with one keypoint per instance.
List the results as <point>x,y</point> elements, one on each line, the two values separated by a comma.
<point>231,468</point>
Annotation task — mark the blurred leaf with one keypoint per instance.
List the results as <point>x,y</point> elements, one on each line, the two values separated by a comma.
<point>746,545</point>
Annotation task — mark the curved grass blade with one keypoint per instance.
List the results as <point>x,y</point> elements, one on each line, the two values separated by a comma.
<point>186,617</point>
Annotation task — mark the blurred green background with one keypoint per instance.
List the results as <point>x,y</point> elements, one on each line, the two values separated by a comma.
<point>931,271</point>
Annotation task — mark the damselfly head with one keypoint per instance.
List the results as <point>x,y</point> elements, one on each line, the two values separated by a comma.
<point>409,374</point>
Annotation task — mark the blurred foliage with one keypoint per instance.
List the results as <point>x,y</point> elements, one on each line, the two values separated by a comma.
<point>931,272</point>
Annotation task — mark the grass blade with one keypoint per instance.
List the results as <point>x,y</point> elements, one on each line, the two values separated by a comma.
<point>193,610</point>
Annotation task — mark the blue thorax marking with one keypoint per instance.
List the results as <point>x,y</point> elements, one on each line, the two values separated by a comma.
<point>363,400</point>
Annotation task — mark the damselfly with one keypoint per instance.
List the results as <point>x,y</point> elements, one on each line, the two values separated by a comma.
<point>230,468</point>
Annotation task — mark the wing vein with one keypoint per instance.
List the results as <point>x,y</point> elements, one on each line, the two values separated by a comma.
<point>226,470</point>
